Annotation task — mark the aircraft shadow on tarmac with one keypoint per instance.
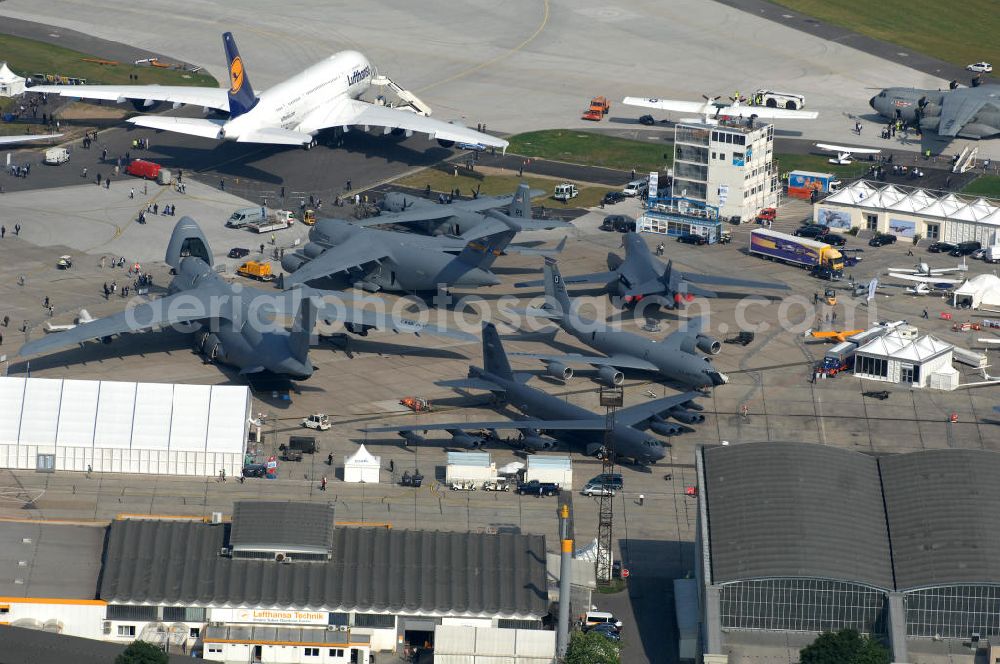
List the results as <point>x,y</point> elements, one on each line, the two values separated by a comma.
<point>350,346</point>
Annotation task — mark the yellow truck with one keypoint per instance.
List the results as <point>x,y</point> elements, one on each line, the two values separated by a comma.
<point>255,270</point>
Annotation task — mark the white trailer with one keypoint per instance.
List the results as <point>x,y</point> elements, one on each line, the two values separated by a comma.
<point>469,469</point>
<point>555,469</point>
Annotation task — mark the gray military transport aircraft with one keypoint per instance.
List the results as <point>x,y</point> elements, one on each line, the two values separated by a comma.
<point>553,415</point>
<point>675,358</point>
<point>958,112</point>
<point>641,275</point>
<point>235,324</point>
<point>377,259</point>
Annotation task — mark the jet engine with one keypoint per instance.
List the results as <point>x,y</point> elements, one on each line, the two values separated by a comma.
<point>708,344</point>
<point>537,443</point>
<point>292,262</point>
<point>313,250</point>
<point>445,144</point>
<point>686,416</point>
<point>212,348</point>
<point>146,105</point>
<point>610,376</point>
<point>466,440</point>
<point>665,428</point>
<point>558,370</point>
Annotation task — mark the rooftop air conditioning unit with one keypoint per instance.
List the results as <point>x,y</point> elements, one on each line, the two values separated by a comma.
<point>282,558</point>
<point>224,551</point>
<point>216,518</point>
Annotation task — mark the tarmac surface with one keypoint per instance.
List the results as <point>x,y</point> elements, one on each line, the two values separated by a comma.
<point>486,63</point>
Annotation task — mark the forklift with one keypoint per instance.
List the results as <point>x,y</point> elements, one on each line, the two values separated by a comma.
<point>830,297</point>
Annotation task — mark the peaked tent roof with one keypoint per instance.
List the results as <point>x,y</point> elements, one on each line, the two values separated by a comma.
<point>363,458</point>
<point>895,346</point>
<point>7,76</point>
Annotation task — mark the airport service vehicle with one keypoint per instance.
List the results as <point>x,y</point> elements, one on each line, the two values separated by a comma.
<point>318,421</point>
<point>56,156</point>
<point>812,230</point>
<point>711,109</point>
<point>275,222</point>
<point>240,218</point>
<point>772,99</point>
<point>304,444</point>
<point>289,454</point>
<point>837,359</point>
<point>536,488</point>
<point>65,262</point>
<point>565,191</point>
<point>140,168</point>
<point>830,297</point>
<point>810,254</point>
<point>743,338</point>
<point>414,479</point>
<point>692,238</point>
<point>309,217</point>
<point>636,188</point>
<point>327,95</point>
<point>255,270</point>
<point>940,247</point>
<point>882,239</point>
<point>594,618</point>
<point>980,67</point>
<point>965,248</point>
<point>599,107</point>
<point>497,484</point>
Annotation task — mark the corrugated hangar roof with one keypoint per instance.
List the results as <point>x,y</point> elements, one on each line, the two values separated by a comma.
<point>944,516</point>
<point>260,525</point>
<point>795,510</point>
<point>373,570</point>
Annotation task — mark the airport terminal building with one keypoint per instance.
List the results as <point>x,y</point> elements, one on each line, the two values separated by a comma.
<point>803,538</point>
<point>280,582</point>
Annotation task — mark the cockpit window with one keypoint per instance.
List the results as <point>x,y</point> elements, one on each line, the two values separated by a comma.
<point>882,94</point>
<point>652,443</point>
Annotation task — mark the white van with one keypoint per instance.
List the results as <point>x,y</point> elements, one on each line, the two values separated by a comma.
<point>636,188</point>
<point>594,618</point>
<point>246,216</point>
<point>56,156</point>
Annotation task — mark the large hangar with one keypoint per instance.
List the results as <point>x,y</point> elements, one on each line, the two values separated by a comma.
<point>805,538</point>
<point>120,427</point>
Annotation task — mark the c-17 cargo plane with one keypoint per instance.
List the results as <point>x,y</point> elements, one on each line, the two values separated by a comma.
<point>234,324</point>
<point>642,275</point>
<point>324,96</point>
<point>377,259</point>
<point>675,358</point>
<point>553,415</point>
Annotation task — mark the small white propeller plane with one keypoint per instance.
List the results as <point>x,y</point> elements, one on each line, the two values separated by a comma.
<point>711,109</point>
<point>924,270</point>
<point>844,154</point>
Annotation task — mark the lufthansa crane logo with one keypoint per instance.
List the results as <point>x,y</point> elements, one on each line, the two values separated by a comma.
<point>236,74</point>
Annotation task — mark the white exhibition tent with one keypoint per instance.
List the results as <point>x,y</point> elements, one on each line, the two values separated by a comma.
<point>109,426</point>
<point>362,466</point>
<point>11,84</point>
<point>981,290</point>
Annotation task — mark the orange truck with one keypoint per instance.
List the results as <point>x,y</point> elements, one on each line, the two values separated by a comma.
<point>599,107</point>
<point>255,270</point>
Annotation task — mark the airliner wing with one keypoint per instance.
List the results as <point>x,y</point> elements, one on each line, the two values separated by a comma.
<point>140,318</point>
<point>175,94</point>
<point>354,252</point>
<point>767,112</point>
<point>666,104</point>
<point>351,112</point>
<point>204,127</point>
<point>8,140</point>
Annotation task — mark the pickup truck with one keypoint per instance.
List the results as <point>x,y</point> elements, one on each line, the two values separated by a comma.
<point>536,488</point>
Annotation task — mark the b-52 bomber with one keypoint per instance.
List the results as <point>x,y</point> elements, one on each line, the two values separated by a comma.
<point>377,259</point>
<point>234,324</point>
<point>553,415</point>
<point>641,275</point>
<point>675,358</point>
<point>483,213</point>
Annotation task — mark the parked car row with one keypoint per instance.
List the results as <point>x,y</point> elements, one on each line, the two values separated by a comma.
<point>971,248</point>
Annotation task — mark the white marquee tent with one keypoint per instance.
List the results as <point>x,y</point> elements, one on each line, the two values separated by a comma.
<point>10,83</point>
<point>362,466</point>
<point>981,290</point>
<point>118,427</point>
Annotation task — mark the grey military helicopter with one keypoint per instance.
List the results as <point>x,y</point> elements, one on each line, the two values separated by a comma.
<point>557,417</point>
<point>234,324</point>
<point>958,112</point>
<point>675,358</point>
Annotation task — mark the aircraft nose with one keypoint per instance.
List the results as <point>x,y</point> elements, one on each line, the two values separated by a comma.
<point>717,378</point>
<point>871,102</point>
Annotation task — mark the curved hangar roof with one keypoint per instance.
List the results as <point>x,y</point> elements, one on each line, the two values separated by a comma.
<point>807,510</point>
<point>795,510</point>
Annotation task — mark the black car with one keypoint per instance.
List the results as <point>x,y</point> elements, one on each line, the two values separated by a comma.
<point>965,248</point>
<point>613,197</point>
<point>812,230</point>
<point>692,238</point>
<point>536,488</point>
<point>834,239</point>
<point>618,222</point>
<point>647,120</point>
<point>238,252</point>
<point>882,239</point>
<point>941,247</point>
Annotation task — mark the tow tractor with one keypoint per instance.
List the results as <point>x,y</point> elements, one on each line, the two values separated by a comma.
<point>830,297</point>
<point>318,421</point>
<point>599,107</point>
<point>256,270</point>
<point>309,217</point>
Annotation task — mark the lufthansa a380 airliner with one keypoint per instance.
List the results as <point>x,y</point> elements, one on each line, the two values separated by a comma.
<point>324,96</point>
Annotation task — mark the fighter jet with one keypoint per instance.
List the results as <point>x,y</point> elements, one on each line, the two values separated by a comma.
<point>376,259</point>
<point>641,275</point>
<point>962,112</point>
<point>675,358</point>
<point>459,217</point>
<point>234,324</point>
<point>553,415</point>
